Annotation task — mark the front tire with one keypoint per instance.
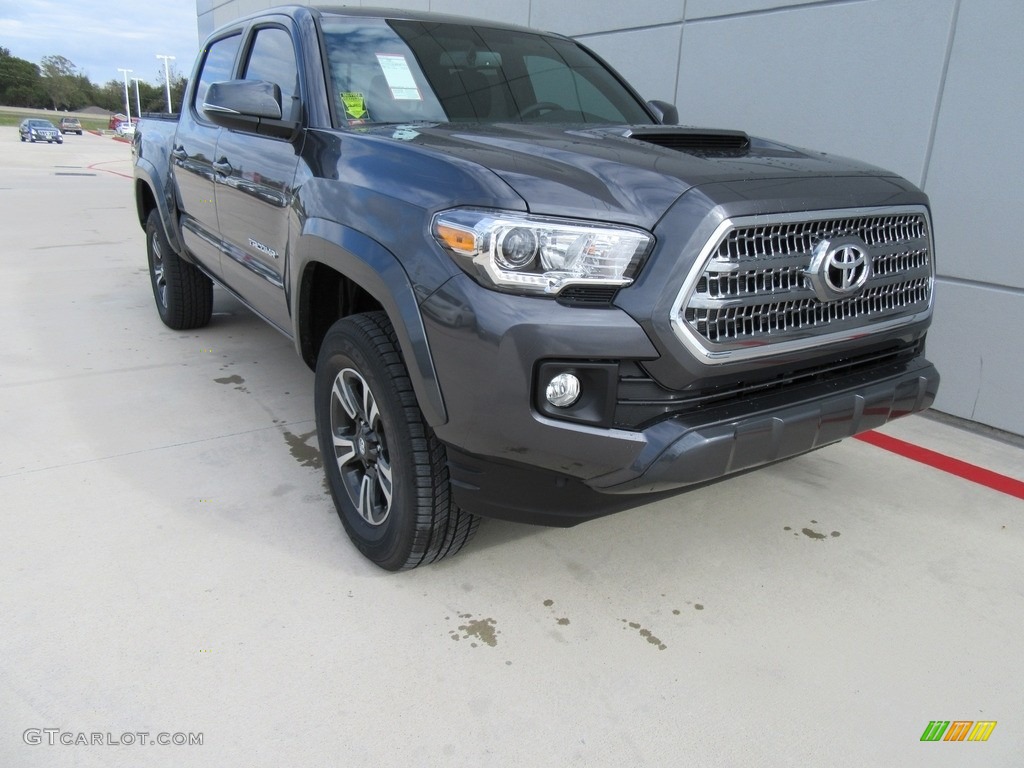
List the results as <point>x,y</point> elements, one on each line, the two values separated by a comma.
<point>387,472</point>
<point>184,295</point>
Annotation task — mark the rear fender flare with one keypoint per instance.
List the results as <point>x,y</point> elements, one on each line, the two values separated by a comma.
<point>147,174</point>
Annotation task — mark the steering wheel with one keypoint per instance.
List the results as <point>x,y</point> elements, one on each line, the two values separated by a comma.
<point>536,109</point>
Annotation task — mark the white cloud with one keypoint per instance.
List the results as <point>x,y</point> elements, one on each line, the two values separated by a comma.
<point>99,36</point>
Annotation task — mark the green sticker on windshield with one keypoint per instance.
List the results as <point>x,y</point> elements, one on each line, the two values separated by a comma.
<point>355,105</point>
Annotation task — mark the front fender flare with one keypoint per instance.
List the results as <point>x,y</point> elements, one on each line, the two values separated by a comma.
<point>375,269</point>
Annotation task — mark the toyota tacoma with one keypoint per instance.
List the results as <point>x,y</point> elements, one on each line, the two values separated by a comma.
<point>526,293</point>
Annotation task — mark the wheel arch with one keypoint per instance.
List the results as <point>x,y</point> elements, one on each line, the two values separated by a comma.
<point>339,272</point>
<point>150,193</point>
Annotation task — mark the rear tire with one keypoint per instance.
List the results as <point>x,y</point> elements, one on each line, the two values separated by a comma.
<point>183,294</point>
<point>387,472</point>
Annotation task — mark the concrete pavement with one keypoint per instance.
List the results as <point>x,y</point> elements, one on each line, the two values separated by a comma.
<point>170,563</point>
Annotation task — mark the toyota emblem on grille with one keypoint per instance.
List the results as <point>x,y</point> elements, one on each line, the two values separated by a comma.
<point>839,267</point>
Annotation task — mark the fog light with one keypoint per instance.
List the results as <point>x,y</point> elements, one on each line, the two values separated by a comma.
<point>563,390</point>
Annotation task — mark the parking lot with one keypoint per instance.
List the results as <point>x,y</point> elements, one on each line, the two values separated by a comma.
<point>171,564</point>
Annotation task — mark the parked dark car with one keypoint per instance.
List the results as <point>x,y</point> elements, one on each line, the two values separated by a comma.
<point>70,125</point>
<point>35,129</point>
<point>526,293</point>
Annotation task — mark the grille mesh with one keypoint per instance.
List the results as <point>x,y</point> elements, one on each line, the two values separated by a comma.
<point>754,290</point>
<point>801,236</point>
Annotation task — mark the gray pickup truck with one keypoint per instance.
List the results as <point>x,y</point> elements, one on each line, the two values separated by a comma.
<point>525,292</point>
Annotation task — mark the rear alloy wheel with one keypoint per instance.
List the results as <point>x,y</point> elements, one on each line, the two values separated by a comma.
<point>184,295</point>
<point>387,473</point>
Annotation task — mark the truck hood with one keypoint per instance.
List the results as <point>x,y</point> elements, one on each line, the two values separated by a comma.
<point>616,173</point>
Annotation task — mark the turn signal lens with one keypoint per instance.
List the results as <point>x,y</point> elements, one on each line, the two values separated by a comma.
<point>459,240</point>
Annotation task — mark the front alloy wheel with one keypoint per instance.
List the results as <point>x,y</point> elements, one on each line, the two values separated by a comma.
<point>361,447</point>
<point>387,472</point>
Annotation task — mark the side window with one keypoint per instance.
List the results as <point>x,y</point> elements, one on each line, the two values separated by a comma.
<point>272,58</point>
<point>217,67</point>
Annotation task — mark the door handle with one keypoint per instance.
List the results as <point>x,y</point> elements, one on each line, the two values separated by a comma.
<point>179,153</point>
<point>222,166</point>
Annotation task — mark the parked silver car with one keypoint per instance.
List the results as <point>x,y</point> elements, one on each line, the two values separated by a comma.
<point>35,129</point>
<point>70,125</point>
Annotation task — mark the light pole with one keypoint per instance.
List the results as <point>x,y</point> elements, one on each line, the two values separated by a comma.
<point>167,79</point>
<point>138,104</point>
<point>127,104</point>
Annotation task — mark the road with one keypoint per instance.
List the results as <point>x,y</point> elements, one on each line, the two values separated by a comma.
<point>170,563</point>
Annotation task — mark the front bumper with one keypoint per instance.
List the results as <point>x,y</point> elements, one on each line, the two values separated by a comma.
<point>509,460</point>
<point>685,451</point>
<point>681,452</point>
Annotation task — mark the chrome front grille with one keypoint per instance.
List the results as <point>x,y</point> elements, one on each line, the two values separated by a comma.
<point>751,293</point>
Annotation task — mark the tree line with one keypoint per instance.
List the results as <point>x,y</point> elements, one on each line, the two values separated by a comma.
<point>56,83</point>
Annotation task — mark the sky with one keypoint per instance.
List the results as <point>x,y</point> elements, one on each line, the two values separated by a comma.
<point>99,36</point>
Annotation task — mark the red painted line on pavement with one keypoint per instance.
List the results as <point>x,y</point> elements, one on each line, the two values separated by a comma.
<point>971,472</point>
<point>95,167</point>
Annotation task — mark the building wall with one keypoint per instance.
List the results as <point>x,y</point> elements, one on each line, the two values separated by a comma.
<point>932,89</point>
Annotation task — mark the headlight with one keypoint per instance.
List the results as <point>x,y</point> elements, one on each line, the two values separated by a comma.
<point>533,254</point>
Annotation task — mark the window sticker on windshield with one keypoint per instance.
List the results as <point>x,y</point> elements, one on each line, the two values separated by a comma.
<point>399,77</point>
<point>355,105</point>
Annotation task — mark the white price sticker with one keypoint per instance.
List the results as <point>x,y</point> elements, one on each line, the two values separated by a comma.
<point>399,77</point>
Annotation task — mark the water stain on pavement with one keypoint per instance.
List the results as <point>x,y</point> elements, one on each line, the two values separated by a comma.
<point>233,379</point>
<point>307,455</point>
<point>813,534</point>
<point>819,536</point>
<point>644,633</point>
<point>562,621</point>
<point>482,630</point>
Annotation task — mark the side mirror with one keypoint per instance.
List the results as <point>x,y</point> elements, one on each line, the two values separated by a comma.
<point>666,113</point>
<point>248,105</point>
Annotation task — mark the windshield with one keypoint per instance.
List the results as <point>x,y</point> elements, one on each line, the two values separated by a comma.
<point>40,124</point>
<point>411,71</point>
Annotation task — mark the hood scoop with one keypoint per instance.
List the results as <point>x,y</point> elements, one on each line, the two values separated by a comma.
<point>694,140</point>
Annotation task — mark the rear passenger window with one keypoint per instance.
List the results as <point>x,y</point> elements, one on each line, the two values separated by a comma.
<point>217,67</point>
<point>272,58</point>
